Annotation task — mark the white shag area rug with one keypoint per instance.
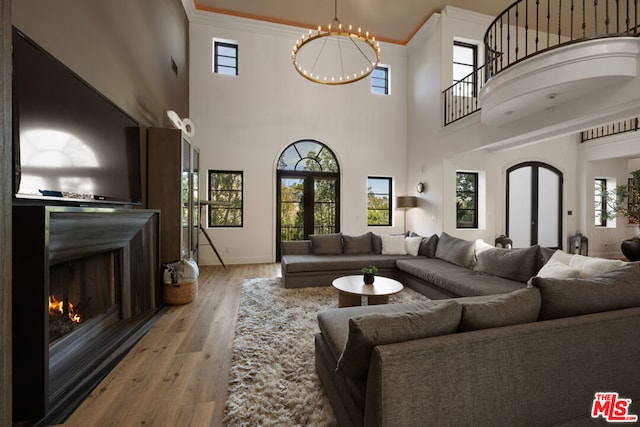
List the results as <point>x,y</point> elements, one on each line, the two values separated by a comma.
<point>273,381</point>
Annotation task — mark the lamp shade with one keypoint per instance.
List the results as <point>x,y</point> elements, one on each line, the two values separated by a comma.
<point>406,202</point>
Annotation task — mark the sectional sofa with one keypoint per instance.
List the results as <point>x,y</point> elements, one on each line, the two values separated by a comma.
<point>508,350</point>
<point>437,266</point>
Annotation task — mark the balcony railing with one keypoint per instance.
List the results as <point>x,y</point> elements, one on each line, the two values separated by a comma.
<point>630,125</point>
<point>461,98</point>
<point>530,27</point>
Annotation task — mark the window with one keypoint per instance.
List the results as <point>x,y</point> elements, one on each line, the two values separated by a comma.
<point>600,203</point>
<point>465,66</point>
<point>225,191</point>
<point>466,199</point>
<point>379,201</point>
<point>380,80</point>
<point>225,58</point>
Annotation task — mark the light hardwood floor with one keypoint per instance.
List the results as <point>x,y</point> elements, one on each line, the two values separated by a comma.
<point>177,374</point>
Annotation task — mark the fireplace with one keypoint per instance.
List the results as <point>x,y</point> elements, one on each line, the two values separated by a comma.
<point>86,288</point>
<point>82,291</point>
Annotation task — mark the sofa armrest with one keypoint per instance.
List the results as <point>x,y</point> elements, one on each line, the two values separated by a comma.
<point>296,247</point>
<point>504,376</point>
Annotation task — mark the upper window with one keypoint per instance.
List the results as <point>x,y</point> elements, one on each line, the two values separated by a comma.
<point>466,199</point>
<point>380,80</point>
<point>225,193</point>
<point>379,201</point>
<point>465,65</point>
<point>225,58</point>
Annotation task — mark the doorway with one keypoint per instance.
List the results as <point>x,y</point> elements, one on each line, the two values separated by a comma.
<point>308,195</point>
<point>534,205</point>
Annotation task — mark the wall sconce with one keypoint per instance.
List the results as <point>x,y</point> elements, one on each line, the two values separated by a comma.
<point>404,203</point>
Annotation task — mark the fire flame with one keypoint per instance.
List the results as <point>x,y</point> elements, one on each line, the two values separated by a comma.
<point>56,307</point>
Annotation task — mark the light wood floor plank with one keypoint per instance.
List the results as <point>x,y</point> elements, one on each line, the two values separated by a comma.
<point>177,374</point>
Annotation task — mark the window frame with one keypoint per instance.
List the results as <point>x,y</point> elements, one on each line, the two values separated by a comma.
<point>602,200</point>
<point>384,89</point>
<point>389,209</point>
<point>217,55</point>
<point>210,198</point>
<point>474,65</point>
<point>474,196</point>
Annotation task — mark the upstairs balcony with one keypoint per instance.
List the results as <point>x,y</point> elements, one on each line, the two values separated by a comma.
<point>541,54</point>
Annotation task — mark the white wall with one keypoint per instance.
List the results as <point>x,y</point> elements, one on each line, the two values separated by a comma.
<point>436,153</point>
<point>245,122</point>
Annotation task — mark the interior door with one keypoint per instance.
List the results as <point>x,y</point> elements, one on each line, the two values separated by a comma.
<point>534,205</point>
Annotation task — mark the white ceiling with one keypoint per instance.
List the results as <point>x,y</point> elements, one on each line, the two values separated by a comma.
<point>390,21</point>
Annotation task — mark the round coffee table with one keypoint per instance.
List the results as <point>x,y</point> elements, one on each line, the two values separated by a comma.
<point>352,289</point>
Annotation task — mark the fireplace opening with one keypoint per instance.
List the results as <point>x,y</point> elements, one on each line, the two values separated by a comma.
<point>79,291</point>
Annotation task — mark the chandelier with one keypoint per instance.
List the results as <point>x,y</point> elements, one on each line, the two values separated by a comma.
<point>335,54</point>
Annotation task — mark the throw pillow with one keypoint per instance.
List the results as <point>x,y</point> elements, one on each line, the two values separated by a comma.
<point>357,244</point>
<point>514,264</point>
<point>590,266</point>
<point>412,245</point>
<point>558,270</point>
<point>326,244</point>
<point>513,308</point>
<point>428,246</point>
<point>393,245</point>
<point>371,330</point>
<point>613,290</point>
<point>481,246</point>
<point>456,251</point>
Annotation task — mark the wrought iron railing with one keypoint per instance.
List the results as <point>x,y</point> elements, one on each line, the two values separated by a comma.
<point>629,125</point>
<point>530,27</point>
<point>461,98</point>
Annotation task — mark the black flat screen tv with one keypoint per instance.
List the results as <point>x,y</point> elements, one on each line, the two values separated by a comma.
<point>70,143</point>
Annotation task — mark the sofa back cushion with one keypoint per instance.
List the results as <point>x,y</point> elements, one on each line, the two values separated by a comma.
<point>515,264</point>
<point>326,244</point>
<point>428,246</point>
<point>357,244</point>
<point>456,251</point>
<point>370,330</point>
<point>493,311</point>
<point>613,290</point>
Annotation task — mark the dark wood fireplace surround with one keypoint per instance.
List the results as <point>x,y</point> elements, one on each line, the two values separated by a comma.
<point>51,379</point>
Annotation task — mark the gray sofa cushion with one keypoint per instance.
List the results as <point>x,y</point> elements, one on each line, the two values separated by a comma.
<point>456,280</point>
<point>357,244</point>
<point>326,244</point>
<point>334,322</point>
<point>328,263</point>
<point>371,330</point>
<point>456,251</point>
<point>515,264</point>
<point>514,308</point>
<point>613,290</point>
<point>428,245</point>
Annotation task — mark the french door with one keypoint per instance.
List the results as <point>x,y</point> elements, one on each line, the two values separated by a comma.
<point>308,193</point>
<point>534,205</point>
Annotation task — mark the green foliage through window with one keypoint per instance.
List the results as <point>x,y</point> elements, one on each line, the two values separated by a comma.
<point>379,201</point>
<point>225,193</point>
<point>466,199</point>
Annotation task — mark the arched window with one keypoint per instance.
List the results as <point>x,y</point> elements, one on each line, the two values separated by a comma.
<point>308,192</point>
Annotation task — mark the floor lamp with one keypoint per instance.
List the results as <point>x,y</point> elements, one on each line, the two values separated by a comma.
<point>404,203</point>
